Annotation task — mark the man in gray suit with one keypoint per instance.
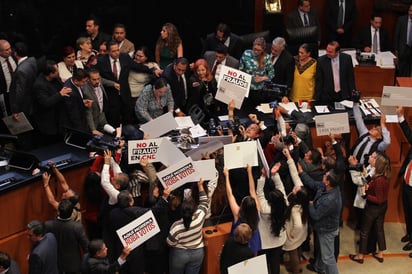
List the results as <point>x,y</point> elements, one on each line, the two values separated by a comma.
<point>402,44</point>
<point>220,57</point>
<point>94,90</point>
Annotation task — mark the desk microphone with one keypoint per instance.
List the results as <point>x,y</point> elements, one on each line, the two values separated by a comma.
<point>211,231</point>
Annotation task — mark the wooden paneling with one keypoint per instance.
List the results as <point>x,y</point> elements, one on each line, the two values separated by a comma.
<point>369,80</point>
<point>27,203</point>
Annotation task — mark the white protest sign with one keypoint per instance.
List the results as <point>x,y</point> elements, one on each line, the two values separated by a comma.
<point>335,123</point>
<point>253,265</point>
<point>138,231</point>
<point>160,125</point>
<point>396,96</point>
<point>233,84</point>
<point>178,174</point>
<point>240,154</point>
<point>154,150</point>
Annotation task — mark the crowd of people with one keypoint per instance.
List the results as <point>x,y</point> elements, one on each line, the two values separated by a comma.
<point>108,86</point>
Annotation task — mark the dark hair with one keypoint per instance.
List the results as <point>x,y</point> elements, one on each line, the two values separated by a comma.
<point>146,52</point>
<point>122,180</point>
<point>5,259</point>
<point>376,14</point>
<point>329,163</point>
<point>187,209</point>
<point>222,48</point>
<point>67,50</point>
<point>123,198</point>
<point>248,212</point>
<point>334,178</point>
<point>224,28</point>
<point>95,246</point>
<point>278,206</point>
<point>21,49</point>
<point>160,83</point>
<point>316,157</point>
<point>96,20</point>
<point>65,209</point>
<point>49,67</point>
<point>37,227</point>
<point>181,60</point>
<point>79,74</point>
<point>335,44</point>
<point>299,198</point>
<point>119,25</point>
<point>306,47</point>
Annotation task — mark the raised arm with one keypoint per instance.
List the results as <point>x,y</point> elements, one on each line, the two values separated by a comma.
<point>234,207</point>
<point>60,178</point>
<point>252,187</point>
<point>50,197</point>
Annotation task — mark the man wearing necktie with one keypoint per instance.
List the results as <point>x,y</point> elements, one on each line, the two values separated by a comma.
<point>8,66</point>
<point>406,173</point>
<point>372,38</point>
<point>340,17</point>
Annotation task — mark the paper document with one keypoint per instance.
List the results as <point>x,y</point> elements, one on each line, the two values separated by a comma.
<point>322,109</point>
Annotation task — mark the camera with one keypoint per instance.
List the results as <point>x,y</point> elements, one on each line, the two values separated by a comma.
<point>288,140</point>
<point>212,127</point>
<point>47,168</point>
<point>101,143</point>
<point>234,126</point>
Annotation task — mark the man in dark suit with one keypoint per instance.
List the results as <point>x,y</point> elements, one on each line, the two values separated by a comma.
<point>283,63</point>
<point>48,102</point>
<point>405,172</point>
<point>402,44</point>
<point>296,18</point>
<point>119,110</point>
<point>340,31</point>
<point>43,256</point>
<point>71,238</point>
<point>8,265</point>
<point>93,31</point>
<point>177,76</point>
<point>20,95</point>
<point>223,35</point>
<point>330,87</point>
<point>364,39</point>
<point>76,104</point>
<point>220,57</point>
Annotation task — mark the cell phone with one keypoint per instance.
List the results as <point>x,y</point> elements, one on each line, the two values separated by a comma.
<point>273,104</point>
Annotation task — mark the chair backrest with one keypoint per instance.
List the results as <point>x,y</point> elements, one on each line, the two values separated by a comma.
<point>197,114</point>
<point>250,37</point>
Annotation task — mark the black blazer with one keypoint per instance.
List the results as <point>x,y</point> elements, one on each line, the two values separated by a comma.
<point>332,15</point>
<point>408,134</point>
<point>236,45</point>
<point>76,116</point>
<point>364,39</point>
<point>284,69</point>
<point>294,20</point>
<point>47,104</point>
<point>177,90</point>
<point>324,85</point>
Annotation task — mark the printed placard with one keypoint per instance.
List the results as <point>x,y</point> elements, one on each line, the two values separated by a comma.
<point>138,231</point>
<point>178,174</point>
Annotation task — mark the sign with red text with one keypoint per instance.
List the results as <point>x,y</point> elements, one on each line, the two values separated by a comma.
<point>154,150</point>
<point>233,84</point>
<point>138,231</point>
<point>178,174</point>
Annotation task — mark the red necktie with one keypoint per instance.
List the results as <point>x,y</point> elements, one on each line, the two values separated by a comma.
<point>408,173</point>
<point>10,67</point>
<point>115,69</point>
<point>215,68</point>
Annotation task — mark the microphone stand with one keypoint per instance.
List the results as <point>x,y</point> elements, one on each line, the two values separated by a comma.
<point>211,231</point>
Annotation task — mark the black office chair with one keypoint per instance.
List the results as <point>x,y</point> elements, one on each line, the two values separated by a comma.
<point>298,36</point>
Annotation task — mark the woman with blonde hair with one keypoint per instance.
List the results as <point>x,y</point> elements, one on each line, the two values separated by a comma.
<point>257,62</point>
<point>376,194</point>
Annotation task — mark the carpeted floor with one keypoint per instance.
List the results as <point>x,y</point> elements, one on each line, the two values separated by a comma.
<point>396,261</point>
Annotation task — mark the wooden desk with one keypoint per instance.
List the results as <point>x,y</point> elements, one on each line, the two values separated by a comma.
<point>214,239</point>
<point>21,205</point>
<point>369,80</point>
<point>404,81</point>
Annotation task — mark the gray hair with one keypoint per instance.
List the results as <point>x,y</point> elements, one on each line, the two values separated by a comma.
<point>279,41</point>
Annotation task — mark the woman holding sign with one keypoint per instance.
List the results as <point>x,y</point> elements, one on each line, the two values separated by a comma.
<point>185,236</point>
